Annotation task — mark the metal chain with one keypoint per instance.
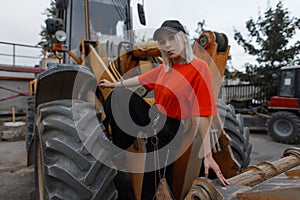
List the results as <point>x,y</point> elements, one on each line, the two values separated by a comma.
<point>155,124</point>
<point>154,141</point>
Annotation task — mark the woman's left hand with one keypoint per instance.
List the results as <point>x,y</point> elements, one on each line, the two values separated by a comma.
<point>106,84</point>
<point>209,162</point>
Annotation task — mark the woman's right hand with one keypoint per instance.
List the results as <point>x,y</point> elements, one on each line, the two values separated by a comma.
<point>209,162</point>
<point>106,84</point>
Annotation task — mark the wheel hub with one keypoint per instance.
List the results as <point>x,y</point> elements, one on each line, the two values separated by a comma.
<point>283,128</point>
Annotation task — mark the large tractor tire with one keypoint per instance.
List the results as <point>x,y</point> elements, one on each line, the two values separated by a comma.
<point>239,135</point>
<point>284,127</point>
<point>65,167</point>
<point>30,114</point>
<point>30,119</point>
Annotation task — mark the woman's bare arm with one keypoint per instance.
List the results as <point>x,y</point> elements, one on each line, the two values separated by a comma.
<point>204,124</point>
<point>131,82</point>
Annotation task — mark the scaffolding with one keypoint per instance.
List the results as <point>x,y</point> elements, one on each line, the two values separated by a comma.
<point>17,68</point>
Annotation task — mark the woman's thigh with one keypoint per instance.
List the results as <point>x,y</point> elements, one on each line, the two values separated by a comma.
<point>127,114</point>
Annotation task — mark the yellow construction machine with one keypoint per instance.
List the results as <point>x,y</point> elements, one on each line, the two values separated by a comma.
<point>66,140</point>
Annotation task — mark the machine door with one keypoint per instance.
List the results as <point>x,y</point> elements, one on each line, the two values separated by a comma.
<point>287,85</point>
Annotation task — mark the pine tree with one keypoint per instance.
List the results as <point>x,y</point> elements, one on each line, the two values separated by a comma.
<point>47,40</point>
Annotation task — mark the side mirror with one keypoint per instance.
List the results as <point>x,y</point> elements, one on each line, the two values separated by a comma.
<point>62,4</point>
<point>141,14</point>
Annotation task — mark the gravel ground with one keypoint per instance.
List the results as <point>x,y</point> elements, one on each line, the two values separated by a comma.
<point>17,180</point>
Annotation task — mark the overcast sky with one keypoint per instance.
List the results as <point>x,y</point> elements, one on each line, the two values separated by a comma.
<point>21,20</point>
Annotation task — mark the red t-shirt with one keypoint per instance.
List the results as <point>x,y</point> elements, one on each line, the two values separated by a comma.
<point>183,92</point>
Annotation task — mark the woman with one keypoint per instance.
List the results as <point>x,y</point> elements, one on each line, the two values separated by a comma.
<point>183,90</point>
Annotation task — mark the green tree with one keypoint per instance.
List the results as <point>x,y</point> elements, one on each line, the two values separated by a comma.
<point>269,40</point>
<point>47,40</point>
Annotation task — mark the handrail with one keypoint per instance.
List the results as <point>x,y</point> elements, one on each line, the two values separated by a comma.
<point>14,55</point>
<point>18,44</point>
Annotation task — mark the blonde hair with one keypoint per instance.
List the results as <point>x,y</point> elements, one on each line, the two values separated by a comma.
<point>188,51</point>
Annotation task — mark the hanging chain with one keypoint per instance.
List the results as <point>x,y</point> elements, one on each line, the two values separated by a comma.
<point>166,163</point>
<point>154,141</point>
<point>155,124</point>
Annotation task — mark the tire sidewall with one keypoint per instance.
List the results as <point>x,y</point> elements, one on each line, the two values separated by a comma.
<point>289,118</point>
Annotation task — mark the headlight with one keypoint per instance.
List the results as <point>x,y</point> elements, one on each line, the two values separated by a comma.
<point>60,35</point>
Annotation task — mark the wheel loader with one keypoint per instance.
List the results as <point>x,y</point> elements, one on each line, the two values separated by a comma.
<point>66,140</point>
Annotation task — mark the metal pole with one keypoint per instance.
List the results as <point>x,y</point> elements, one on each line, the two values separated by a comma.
<point>14,55</point>
<point>87,25</point>
<point>13,114</point>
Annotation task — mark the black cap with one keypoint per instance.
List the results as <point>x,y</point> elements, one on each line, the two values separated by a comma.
<point>173,26</point>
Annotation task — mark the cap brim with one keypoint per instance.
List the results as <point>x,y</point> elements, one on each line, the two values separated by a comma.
<point>161,30</point>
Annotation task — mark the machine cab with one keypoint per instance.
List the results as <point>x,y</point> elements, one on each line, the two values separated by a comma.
<point>289,85</point>
<point>288,89</point>
<point>91,20</point>
<point>97,20</point>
